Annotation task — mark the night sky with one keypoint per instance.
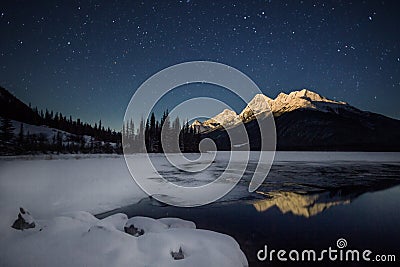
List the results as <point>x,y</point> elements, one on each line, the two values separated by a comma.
<point>87,58</point>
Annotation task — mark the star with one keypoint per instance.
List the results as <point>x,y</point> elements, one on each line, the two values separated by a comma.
<point>292,44</point>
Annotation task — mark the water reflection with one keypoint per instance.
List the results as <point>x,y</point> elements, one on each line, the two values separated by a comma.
<point>301,204</point>
<point>308,204</point>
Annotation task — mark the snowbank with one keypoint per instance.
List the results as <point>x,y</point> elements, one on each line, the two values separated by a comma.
<point>45,131</point>
<point>80,239</point>
<point>49,188</point>
<point>53,189</point>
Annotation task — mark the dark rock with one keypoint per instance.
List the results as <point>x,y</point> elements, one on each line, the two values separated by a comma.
<point>132,230</point>
<point>24,221</point>
<point>178,255</point>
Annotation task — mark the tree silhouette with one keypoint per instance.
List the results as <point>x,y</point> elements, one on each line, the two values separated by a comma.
<point>21,134</point>
<point>6,130</point>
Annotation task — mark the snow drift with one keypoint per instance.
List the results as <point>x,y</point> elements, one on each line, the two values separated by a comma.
<point>80,239</point>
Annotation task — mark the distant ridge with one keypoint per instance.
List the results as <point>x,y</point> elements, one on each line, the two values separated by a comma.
<point>13,108</point>
<point>261,104</point>
<point>33,131</point>
<point>305,120</point>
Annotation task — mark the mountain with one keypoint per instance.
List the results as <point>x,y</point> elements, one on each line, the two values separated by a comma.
<point>306,120</point>
<point>13,108</point>
<point>34,131</point>
<point>226,118</point>
<point>259,105</point>
<point>283,103</point>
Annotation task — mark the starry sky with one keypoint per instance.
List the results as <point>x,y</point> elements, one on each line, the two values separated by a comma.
<point>87,58</point>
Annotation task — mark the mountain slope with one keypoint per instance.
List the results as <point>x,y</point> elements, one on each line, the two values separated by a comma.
<point>13,108</point>
<point>308,121</point>
<point>256,107</point>
<point>43,132</point>
<point>314,130</point>
<point>261,105</point>
<point>226,119</point>
<point>304,99</point>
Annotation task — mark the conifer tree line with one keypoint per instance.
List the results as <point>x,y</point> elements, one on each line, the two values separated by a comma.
<point>24,142</point>
<point>77,127</point>
<point>159,135</point>
<point>74,136</point>
<point>69,136</point>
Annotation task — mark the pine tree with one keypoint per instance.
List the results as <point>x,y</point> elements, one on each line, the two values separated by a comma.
<point>59,142</point>
<point>141,145</point>
<point>131,131</point>
<point>123,131</point>
<point>21,134</point>
<point>6,130</point>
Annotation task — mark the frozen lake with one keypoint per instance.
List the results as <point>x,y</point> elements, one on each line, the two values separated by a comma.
<point>309,199</point>
<point>50,185</point>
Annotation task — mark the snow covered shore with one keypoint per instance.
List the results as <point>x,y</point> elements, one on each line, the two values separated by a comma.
<point>48,188</point>
<point>53,187</point>
<point>80,239</point>
<point>53,190</point>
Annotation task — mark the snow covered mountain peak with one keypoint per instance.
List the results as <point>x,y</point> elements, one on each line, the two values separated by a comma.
<point>196,123</point>
<point>261,105</point>
<point>258,105</point>
<point>226,118</point>
<point>198,126</point>
<point>308,95</point>
<point>302,99</point>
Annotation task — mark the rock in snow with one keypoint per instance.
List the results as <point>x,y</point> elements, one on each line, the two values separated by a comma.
<point>178,255</point>
<point>24,220</point>
<point>132,230</point>
<point>80,239</point>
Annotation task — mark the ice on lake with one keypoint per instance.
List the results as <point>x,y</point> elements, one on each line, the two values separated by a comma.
<point>53,185</point>
<point>303,184</point>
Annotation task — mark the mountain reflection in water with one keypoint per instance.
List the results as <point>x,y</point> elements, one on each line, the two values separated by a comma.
<point>308,204</point>
<point>298,203</point>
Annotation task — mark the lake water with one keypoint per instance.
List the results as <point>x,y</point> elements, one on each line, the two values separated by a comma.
<point>308,201</point>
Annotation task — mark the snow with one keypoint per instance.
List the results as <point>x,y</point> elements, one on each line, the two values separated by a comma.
<point>43,130</point>
<point>53,190</point>
<point>303,99</point>
<point>49,133</point>
<point>51,185</point>
<point>27,217</point>
<point>199,126</point>
<point>67,183</point>
<point>226,118</point>
<point>289,102</point>
<point>80,239</point>
<point>329,156</point>
<point>64,184</point>
<point>159,225</point>
<point>260,105</point>
<point>147,224</point>
<point>178,223</point>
